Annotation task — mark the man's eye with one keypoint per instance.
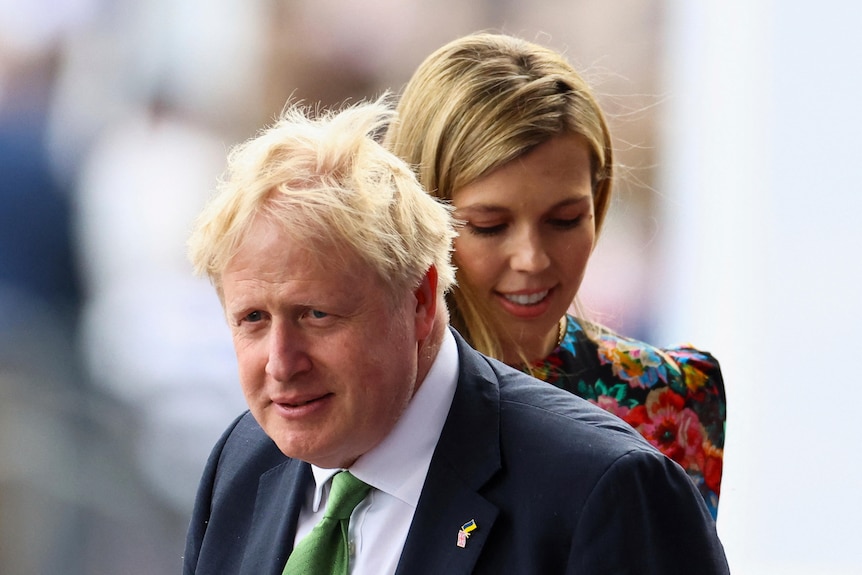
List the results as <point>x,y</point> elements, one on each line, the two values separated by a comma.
<point>317,314</point>
<point>253,317</point>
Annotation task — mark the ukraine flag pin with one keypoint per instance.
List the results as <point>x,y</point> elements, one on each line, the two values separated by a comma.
<point>464,532</point>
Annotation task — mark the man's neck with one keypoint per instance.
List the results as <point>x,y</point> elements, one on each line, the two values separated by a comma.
<point>430,346</point>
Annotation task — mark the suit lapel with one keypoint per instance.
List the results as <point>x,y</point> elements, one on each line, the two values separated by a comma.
<point>276,511</point>
<point>466,457</point>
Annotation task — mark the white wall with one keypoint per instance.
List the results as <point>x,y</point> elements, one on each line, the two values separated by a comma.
<point>760,181</point>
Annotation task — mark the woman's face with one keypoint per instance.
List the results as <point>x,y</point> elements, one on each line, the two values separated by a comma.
<point>528,232</point>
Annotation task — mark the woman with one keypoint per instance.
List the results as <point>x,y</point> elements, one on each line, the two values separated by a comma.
<point>511,135</point>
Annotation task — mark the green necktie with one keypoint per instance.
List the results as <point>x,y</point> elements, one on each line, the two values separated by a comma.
<point>324,551</point>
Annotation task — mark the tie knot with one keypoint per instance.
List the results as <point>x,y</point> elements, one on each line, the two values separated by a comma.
<point>346,493</point>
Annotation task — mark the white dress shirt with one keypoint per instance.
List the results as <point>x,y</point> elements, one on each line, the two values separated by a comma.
<point>395,469</point>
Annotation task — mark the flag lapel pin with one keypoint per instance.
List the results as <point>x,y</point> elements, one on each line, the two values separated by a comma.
<point>464,532</point>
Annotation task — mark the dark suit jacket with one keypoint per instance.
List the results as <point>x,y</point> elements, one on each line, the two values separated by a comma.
<point>555,485</point>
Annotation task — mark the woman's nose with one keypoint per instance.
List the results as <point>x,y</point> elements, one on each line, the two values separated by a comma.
<point>529,253</point>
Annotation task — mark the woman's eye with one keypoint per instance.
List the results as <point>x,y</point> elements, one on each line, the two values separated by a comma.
<point>566,223</point>
<point>486,230</point>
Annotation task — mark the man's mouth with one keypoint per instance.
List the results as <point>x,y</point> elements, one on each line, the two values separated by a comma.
<point>301,403</point>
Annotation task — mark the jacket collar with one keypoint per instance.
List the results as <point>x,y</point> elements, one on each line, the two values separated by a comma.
<point>466,458</point>
<point>276,511</point>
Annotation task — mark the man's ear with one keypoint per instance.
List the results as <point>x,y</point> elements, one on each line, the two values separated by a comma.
<point>426,303</point>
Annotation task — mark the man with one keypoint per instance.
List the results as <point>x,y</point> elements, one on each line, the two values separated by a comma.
<point>331,263</point>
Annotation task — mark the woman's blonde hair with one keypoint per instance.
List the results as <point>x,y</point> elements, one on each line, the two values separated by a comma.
<point>478,103</point>
<point>329,183</point>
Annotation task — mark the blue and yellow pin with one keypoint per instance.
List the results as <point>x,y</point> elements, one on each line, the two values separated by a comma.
<point>464,532</point>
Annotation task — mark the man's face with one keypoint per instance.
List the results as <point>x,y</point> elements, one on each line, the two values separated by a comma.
<point>327,360</point>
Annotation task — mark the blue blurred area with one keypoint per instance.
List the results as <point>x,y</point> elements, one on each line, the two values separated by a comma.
<point>35,223</point>
<point>69,499</point>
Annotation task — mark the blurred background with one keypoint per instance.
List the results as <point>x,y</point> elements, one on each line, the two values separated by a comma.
<point>734,226</point>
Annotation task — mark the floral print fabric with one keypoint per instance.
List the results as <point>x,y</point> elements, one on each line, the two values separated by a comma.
<point>673,397</point>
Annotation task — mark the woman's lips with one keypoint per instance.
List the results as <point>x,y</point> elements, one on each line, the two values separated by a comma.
<point>525,305</point>
<point>527,299</point>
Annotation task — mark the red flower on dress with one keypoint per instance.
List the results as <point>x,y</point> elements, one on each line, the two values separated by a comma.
<point>670,426</point>
<point>712,467</point>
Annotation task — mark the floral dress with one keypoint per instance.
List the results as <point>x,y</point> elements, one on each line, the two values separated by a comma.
<point>673,397</point>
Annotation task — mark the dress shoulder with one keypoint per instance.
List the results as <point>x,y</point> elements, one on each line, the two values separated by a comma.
<point>673,396</point>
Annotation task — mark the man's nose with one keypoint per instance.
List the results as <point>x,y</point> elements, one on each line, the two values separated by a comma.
<point>288,352</point>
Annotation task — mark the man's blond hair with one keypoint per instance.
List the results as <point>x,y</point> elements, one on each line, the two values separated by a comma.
<point>330,184</point>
